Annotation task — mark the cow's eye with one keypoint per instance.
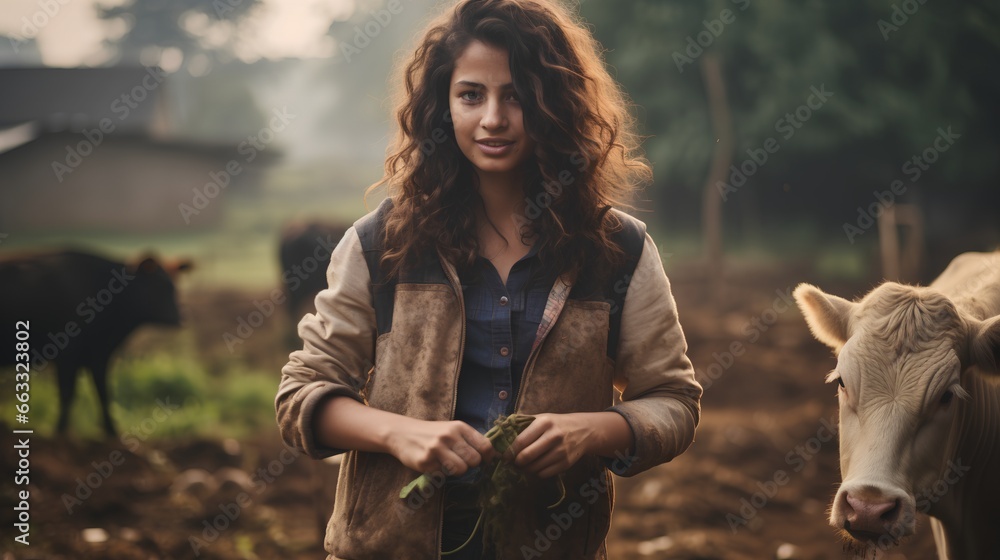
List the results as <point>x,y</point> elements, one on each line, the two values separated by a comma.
<point>946,397</point>
<point>840,381</point>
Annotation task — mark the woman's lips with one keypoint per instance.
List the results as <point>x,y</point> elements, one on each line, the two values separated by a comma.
<point>498,147</point>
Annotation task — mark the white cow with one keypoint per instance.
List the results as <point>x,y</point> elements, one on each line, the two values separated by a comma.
<point>917,369</point>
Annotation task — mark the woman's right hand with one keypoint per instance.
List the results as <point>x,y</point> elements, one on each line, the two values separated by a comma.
<point>422,445</point>
<point>452,447</point>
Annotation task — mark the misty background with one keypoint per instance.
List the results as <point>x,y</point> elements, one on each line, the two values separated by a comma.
<point>895,79</point>
<point>839,143</point>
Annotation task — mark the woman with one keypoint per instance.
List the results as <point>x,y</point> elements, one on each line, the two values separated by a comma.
<point>495,279</point>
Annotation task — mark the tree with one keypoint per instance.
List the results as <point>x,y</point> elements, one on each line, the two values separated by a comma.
<point>184,25</point>
<point>893,86</point>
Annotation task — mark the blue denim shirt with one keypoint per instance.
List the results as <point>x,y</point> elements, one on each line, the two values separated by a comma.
<point>501,322</point>
<point>500,326</point>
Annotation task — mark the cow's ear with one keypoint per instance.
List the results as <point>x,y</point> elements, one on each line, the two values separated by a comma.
<point>828,316</point>
<point>145,265</point>
<point>984,345</point>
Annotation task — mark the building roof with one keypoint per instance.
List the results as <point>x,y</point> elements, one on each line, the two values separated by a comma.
<point>74,99</point>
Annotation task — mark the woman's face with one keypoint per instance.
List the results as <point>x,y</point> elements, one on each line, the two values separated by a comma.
<point>486,113</point>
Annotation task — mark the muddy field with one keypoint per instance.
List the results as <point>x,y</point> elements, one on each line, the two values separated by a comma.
<point>755,485</point>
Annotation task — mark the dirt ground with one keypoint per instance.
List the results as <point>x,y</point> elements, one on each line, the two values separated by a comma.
<point>763,439</point>
<point>755,485</point>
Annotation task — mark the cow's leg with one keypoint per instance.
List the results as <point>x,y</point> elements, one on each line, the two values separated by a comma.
<point>100,375</point>
<point>66,377</point>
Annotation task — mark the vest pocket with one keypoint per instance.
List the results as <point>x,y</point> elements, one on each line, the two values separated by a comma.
<point>355,485</point>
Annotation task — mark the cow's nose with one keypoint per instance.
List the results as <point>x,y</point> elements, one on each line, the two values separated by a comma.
<point>870,516</point>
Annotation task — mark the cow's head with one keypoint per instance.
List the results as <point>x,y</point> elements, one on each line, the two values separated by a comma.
<point>153,297</point>
<point>902,352</point>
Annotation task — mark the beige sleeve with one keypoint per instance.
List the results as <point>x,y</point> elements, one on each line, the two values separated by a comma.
<point>338,348</point>
<point>660,396</point>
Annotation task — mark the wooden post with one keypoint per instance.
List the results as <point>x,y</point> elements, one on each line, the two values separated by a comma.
<point>902,256</point>
<point>711,213</point>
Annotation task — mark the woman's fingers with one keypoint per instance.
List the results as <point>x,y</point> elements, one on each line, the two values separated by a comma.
<point>478,443</point>
<point>550,445</point>
<point>452,464</point>
<point>535,450</point>
<point>525,439</point>
<point>469,455</point>
<point>460,448</point>
<point>550,458</point>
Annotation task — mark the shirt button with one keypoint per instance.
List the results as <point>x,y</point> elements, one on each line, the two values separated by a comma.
<point>503,395</point>
<point>504,351</point>
<point>503,300</point>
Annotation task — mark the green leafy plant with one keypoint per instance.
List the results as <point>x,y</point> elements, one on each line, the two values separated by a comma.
<point>494,490</point>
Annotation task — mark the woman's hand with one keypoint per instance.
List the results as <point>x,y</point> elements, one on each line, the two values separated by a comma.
<point>422,445</point>
<point>451,447</point>
<point>555,442</point>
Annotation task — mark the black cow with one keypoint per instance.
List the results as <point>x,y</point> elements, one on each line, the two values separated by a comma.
<point>80,308</point>
<point>305,255</point>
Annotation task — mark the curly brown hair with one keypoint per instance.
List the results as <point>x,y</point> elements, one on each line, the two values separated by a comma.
<point>587,157</point>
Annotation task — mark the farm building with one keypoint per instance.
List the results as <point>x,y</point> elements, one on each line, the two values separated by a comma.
<point>103,149</point>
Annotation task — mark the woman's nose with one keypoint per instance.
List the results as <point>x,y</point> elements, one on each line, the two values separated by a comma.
<point>494,117</point>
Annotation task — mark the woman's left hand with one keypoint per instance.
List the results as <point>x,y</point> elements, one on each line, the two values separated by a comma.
<point>553,443</point>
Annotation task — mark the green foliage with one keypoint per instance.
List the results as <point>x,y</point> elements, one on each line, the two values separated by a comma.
<point>160,377</point>
<point>893,87</point>
<point>249,401</point>
<point>496,489</point>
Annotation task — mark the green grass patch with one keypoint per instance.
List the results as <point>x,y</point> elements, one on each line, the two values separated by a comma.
<point>158,397</point>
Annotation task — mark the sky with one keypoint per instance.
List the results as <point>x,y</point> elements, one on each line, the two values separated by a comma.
<point>69,33</point>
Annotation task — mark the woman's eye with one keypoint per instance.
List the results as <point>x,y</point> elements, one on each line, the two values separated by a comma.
<point>946,397</point>
<point>470,96</point>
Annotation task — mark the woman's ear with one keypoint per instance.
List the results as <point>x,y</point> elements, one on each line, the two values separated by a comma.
<point>827,316</point>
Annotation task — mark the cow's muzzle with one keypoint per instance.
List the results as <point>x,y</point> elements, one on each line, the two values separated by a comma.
<point>873,515</point>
